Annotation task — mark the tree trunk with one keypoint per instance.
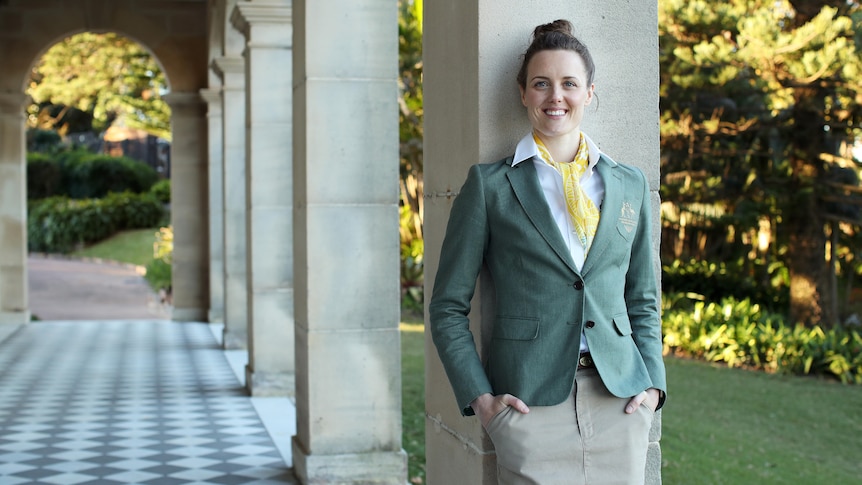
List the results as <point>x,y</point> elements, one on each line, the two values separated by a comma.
<point>808,276</point>
<point>810,298</point>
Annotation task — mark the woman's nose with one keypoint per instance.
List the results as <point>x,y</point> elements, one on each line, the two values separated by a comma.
<point>556,93</point>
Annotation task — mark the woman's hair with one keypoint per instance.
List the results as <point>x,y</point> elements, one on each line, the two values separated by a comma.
<point>556,35</point>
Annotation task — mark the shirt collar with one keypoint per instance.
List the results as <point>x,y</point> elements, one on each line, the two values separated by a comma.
<point>527,149</point>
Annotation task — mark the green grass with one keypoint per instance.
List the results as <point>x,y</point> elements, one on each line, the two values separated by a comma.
<point>135,247</point>
<point>413,396</point>
<point>732,426</point>
<point>720,426</point>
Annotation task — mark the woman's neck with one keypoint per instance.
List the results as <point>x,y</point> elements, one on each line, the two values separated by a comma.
<point>562,148</point>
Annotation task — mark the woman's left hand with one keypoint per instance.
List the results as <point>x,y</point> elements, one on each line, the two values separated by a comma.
<point>647,398</point>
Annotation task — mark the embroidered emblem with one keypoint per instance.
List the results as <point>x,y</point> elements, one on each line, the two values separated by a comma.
<point>628,217</point>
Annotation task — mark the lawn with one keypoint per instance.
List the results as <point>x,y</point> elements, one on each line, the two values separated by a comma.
<point>135,247</point>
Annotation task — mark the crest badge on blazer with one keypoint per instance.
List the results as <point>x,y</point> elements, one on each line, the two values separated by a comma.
<point>628,217</point>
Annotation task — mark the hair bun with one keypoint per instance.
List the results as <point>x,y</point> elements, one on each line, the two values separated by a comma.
<point>557,26</point>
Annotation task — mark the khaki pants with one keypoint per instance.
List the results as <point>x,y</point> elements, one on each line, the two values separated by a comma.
<point>588,439</point>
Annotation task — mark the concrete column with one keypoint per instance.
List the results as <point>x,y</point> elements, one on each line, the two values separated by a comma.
<point>348,382</point>
<point>190,271</point>
<point>267,27</point>
<point>231,69</point>
<point>474,112</point>
<point>213,99</point>
<point>14,308</point>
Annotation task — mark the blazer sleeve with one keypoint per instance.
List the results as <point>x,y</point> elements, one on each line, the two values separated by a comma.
<point>461,259</point>
<point>642,297</point>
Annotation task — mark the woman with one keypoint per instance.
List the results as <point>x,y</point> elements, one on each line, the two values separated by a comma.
<point>574,370</point>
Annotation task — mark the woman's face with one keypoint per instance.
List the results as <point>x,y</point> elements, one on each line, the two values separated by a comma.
<point>556,93</point>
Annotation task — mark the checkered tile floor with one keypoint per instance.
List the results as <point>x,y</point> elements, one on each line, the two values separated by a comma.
<point>120,402</point>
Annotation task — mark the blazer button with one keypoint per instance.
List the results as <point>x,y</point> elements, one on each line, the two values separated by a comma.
<point>579,285</point>
<point>590,324</point>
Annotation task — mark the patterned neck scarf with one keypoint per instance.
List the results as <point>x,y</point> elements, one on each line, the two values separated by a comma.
<point>582,210</point>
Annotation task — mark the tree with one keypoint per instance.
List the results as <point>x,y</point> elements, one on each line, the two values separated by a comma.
<point>106,76</point>
<point>760,102</point>
<point>410,134</point>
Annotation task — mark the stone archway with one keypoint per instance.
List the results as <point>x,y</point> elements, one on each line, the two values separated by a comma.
<point>177,37</point>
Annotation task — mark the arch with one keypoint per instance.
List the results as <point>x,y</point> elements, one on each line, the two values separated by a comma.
<point>177,37</point>
<point>175,34</point>
<point>44,49</point>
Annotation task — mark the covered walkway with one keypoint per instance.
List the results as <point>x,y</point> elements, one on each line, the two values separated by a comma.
<point>132,401</point>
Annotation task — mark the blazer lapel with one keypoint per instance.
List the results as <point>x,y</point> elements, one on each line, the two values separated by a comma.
<point>610,210</point>
<point>525,184</point>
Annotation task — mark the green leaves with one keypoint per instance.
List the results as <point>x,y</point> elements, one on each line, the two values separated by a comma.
<point>60,224</point>
<point>739,333</point>
<point>106,75</point>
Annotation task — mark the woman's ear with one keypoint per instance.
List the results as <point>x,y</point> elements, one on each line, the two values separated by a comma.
<point>523,99</point>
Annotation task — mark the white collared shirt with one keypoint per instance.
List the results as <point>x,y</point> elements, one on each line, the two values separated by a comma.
<point>552,185</point>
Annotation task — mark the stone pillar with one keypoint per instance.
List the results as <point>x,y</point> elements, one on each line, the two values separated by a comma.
<point>348,384</point>
<point>474,111</point>
<point>213,99</point>
<point>267,27</point>
<point>13,211</point>
<point>231,69</point>
<point>190,274</point>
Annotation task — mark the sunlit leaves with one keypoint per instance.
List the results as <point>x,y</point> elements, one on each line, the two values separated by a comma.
<point>106,75</point>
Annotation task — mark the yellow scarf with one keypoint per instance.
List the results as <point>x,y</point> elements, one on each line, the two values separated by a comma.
<point>582,210</point>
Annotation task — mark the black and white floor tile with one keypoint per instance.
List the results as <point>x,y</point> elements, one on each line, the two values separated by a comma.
<point>123,402</point>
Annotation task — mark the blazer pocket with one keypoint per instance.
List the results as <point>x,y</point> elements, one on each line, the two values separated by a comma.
<point>516,328</point>
<point>622,324</point>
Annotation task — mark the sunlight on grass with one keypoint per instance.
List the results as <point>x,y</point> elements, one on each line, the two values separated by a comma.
<point>134,247</point>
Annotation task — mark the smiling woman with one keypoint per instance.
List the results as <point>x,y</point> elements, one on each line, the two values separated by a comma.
<point>564,232</point>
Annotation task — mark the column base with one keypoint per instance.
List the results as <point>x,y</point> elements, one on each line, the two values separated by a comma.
<point>188,314</point>
<point>234,340</point>
<point>379,468</point>
<point>14,317</point>
<point>215,315</point>
<point>270,384</point>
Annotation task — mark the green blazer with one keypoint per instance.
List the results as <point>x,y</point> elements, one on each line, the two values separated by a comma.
<point>500,220</point>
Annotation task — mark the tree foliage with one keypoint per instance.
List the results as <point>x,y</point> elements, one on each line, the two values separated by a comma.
<point>410,118</point>
<point>94,79</point>
<point>760,105</point>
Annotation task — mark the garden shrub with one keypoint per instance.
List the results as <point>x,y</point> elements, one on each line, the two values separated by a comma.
<point>39,140</point>
<point>162,190</point>
<point>159,270</point>
<point>60,224</point>
<point>743,334</point>
<point>81,174</point>
<point>97,175</point>
<point>44,176</point>
<point>765,284</point>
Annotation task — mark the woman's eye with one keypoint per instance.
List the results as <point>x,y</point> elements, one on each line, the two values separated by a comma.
<point>541,84</point>
<point>570,84</point>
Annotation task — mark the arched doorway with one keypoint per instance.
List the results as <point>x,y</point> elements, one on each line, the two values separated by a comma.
<point>177,37</point>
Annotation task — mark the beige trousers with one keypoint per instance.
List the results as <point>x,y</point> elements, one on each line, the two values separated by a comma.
<point>586,440</point>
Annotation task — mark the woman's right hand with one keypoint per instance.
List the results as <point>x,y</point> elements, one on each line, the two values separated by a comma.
<point>488,405</point>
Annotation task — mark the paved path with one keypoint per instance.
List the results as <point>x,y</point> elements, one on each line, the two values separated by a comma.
<point>106,390</point>
<point>65,289</point>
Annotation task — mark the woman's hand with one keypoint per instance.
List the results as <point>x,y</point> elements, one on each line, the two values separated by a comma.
<point>487,406</point>
<point>648,398</point>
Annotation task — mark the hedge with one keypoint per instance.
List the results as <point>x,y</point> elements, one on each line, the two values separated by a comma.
<point>60,224</point>
<point>80,174</point>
